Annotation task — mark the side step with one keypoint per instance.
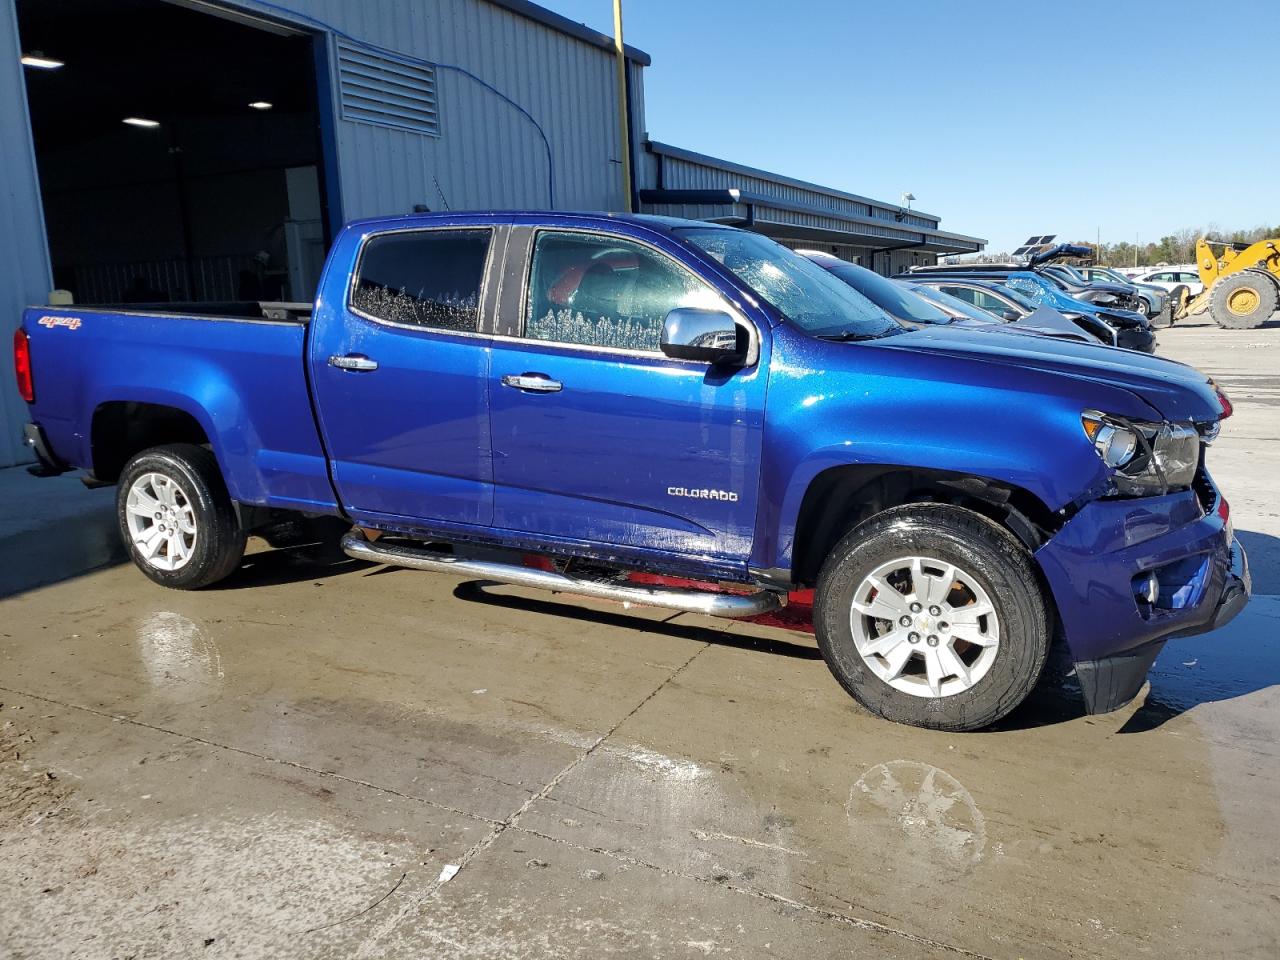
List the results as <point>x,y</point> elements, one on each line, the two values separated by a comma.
<point>730,605</point>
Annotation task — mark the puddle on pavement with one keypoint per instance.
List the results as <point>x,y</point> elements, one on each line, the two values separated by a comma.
<point>176,650</point>
<point>1242,658</point>
<point>917,814</point>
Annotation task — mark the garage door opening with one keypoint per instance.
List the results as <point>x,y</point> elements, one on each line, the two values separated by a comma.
<point>179,152</point>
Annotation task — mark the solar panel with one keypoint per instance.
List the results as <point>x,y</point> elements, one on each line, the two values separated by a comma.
<point>1022,250</point>
<point>1047,238</point>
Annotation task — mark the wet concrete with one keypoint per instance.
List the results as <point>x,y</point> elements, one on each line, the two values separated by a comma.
<point>289,765</point>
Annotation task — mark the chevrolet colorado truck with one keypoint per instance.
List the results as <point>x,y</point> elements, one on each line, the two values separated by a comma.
<point>624,393</point>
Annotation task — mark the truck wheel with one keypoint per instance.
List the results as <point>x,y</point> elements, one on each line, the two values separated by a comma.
<point>1243,300</point>
<point>176,517</point>
<point>932,615</point>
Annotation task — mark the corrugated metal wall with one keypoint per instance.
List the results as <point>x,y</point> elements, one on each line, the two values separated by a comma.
<point>487,154</point>
<point>25,276</point>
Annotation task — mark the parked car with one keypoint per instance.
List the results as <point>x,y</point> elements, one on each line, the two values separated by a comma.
<point>914,306</point>
<point>1122,328</point>
<point>684,398</point>
<point>1149,301</point>
<point>1113,296</point>
<point>984,298</point>
<point>1157,299</point>
<point>1171,279</point>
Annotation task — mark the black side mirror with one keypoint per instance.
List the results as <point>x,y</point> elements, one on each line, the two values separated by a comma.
<point>1010,315</point>
<point>709,336</point>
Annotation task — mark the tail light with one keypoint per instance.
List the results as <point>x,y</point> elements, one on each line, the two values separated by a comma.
<point>22,365</point>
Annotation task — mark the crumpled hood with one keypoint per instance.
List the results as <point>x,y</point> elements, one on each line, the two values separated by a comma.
<point>1175,390</point>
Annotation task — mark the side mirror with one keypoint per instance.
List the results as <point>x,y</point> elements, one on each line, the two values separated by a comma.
<point>709,336</point>
<point>1010,315</point>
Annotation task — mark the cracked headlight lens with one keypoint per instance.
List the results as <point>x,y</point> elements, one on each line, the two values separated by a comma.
<point>1147,459</point>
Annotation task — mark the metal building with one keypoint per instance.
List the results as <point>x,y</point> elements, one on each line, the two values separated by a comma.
<point>169,150</point>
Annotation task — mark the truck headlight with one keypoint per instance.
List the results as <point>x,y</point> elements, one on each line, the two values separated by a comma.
<point>1147,459</point>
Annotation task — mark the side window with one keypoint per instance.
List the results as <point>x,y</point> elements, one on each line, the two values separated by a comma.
<point>1188,278</point>
<point>968,294</point>
<point>606,292</point>
<point>987,302</point>
<point>426,278</point>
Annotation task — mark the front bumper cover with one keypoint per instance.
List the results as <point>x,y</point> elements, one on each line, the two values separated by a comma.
<point>1092,564</point>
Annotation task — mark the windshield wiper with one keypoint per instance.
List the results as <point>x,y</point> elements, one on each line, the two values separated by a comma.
<point>849,336</point>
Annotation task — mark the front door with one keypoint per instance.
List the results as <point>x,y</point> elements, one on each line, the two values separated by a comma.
<point>400,375</point>
<point>597,436</point>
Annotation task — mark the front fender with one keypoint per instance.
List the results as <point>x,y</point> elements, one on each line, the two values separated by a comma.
<point>839,405</point>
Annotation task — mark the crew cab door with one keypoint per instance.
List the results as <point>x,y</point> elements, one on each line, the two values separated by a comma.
<point>400,372</point>
<point>597,436</point>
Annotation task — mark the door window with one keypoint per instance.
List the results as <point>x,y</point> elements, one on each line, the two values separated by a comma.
<point>980,299</point>
<point>606,292</point>
<point>423,278</point>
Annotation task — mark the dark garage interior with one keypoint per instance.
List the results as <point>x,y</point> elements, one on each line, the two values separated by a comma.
<point>179,152</point>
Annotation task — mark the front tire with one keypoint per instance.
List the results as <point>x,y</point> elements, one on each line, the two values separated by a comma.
<point>176,517</point>
<point>1243,300</point>
<point>932,616</point>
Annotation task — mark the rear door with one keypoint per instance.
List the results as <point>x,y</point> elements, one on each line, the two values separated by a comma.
<point>599,437</point>
<point>400,373</point>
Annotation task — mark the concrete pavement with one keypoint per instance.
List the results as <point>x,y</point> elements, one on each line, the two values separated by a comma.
<point>293,764</point>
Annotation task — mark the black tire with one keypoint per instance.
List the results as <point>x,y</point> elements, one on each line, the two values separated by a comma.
<point>1144,307</point>
<point>1243,300</point>
<point>985,552</point>
<point>218,544</point>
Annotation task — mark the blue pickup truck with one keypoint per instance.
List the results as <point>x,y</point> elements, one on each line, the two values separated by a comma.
<point>628,393</point>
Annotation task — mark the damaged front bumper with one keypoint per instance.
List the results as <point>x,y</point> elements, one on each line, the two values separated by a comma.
<point>1130,574</point>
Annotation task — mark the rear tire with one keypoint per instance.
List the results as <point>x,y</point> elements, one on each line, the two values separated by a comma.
<point>176,517</point>
<point>940,679</point>
<point>1243,300</point>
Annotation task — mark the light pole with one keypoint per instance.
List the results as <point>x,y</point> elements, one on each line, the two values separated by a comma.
<point>624,134</point>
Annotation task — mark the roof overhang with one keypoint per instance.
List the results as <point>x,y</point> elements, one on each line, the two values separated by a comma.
<point>779,217</point>
<point>549,18</point>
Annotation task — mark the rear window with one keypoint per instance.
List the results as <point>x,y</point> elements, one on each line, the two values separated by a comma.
<point>424,278</point>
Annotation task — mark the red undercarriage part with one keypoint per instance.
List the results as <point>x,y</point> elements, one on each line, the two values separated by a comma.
<point>796,615</point>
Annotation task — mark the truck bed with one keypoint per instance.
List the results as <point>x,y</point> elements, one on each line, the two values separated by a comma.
<point>242,379</point>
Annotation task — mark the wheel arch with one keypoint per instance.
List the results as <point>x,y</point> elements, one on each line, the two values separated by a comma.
<point>121,429</point>
<point>840,497</point>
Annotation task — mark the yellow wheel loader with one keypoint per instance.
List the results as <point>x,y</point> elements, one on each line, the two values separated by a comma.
<point>1241,283</point>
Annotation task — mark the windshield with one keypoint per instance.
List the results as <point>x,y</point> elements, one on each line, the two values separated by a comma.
<point>1072,272</point>
<point>1111,275</point>
<point>797,288</point>
<point>898,300</point>
<point>1034,287</point>
<point>1025,302</point>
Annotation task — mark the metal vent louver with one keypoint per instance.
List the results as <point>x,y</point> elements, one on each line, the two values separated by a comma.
<point>381,89</point>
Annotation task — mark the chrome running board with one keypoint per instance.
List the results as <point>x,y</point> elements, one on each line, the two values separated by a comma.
<point>730,605</point>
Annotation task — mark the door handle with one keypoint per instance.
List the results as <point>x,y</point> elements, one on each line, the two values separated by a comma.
<point>532,382</point>
<point>353,362</point>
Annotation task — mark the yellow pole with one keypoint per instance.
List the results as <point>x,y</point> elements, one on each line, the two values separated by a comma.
<point>623,132</point>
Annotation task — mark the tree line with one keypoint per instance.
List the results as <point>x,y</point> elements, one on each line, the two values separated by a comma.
<point>1179,247</point>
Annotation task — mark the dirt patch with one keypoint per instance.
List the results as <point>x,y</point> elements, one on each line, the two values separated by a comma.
<point>29,791</point>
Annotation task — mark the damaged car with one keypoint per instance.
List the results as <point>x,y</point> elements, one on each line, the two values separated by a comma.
<point>629,394</point>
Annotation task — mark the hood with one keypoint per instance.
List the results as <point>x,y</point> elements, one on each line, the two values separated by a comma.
<point>1048,321</point>
<point>1175,390</point>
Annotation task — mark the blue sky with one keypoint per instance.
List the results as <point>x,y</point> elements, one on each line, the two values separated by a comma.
<point>1004,118</point>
